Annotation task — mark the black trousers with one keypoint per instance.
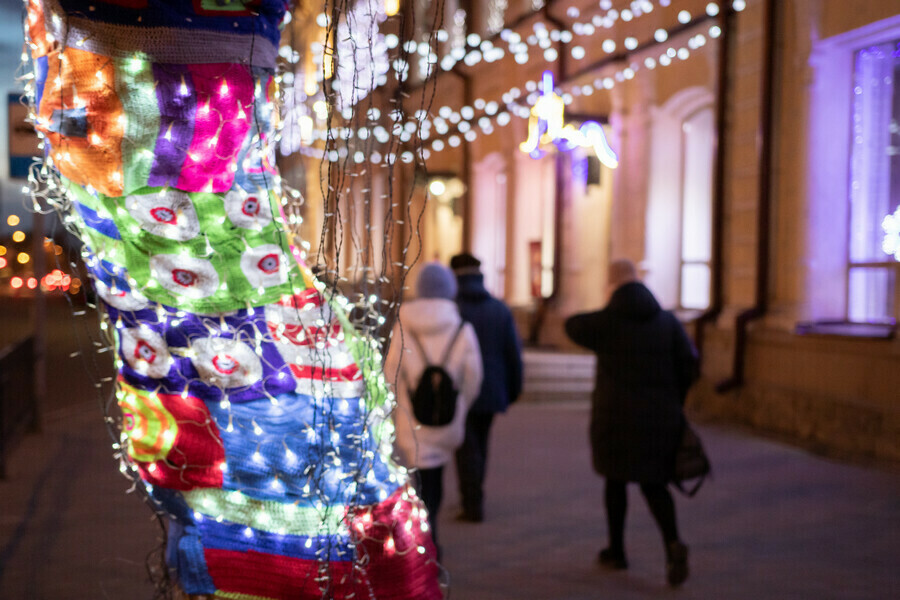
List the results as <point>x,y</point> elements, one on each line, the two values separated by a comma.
<point>471,462</point>
<point>661,505</point>
<point>430,487</point>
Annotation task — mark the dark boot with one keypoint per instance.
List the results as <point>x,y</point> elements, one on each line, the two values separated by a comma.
<point>470,515</point>
<point>613,559</point>
<point>676,563</point>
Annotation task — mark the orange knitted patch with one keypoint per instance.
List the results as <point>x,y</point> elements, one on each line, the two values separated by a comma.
<point>37,33</point>
<point>87,147</point>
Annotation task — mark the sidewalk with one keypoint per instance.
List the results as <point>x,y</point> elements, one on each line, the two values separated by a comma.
<point>774,523</point>
<point>68,529</point>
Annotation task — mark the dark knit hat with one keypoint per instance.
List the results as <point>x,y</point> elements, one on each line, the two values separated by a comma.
<point>465,263</point>
<point>436,281</point>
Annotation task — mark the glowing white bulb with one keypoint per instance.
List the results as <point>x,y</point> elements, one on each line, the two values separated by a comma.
<point>437,187</point>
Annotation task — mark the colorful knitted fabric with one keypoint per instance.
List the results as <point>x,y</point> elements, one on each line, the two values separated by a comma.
<point>256,416</point>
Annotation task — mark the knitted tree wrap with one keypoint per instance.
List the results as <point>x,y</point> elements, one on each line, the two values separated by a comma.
<point>256,416</point>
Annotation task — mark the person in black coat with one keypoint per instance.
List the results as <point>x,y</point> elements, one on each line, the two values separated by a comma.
<point>645,365</point>
<point>501,355</point>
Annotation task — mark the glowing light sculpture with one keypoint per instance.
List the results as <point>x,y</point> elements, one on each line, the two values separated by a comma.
<point>546,125</point>
<point>254,416</point>
<point>891,227</point>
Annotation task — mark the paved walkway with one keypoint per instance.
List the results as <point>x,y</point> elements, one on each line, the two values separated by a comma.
<point>775,523</point>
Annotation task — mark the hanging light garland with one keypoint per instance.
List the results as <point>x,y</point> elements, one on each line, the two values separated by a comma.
<point>455,126</point>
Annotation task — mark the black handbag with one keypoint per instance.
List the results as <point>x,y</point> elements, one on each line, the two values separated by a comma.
<point>691,463</point>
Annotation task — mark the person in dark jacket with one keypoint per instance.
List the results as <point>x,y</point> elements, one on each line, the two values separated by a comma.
<point>501,355</point>
<point>645,365</point>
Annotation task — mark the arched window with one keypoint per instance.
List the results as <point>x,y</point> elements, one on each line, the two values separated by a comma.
<point>489,220</point>
<point>679,209</point>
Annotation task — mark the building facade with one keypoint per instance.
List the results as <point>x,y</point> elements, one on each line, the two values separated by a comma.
<point>758,153</point>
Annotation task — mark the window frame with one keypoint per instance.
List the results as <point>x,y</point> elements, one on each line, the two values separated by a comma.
<point>890,265</point>
<point>682,262</point>
<point>832,61</point>
<point>663,250</point>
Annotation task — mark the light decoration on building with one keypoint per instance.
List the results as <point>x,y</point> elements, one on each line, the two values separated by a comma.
<point>496,14</point>
<point>391,7</point>
<point>546,125</point>
<point>513,103</point>
<point>891,227</point>
<point>255,418</point>
<point>374,67</point>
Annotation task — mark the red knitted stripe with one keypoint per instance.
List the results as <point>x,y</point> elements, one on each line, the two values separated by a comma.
<point>348,373</point>
<point>402,575</point>
<point>392,568</point>
<point>303,336</point>
<point>395,568</point>
<point>301,300</point>
<point>272,576</point>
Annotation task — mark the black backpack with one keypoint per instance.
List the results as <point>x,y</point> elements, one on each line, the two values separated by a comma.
<point>434,397</point>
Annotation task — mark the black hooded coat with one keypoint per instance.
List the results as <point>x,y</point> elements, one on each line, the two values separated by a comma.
<point>645,365</point>
<point>501,349</point>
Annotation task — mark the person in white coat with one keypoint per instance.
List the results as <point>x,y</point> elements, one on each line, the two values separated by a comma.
<point>433,319</point>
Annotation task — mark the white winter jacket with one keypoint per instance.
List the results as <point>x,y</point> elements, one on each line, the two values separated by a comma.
<point>435,321</point>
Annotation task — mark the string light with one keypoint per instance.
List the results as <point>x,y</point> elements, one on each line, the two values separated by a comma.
<point>517,45</point>
<point>515,108</point>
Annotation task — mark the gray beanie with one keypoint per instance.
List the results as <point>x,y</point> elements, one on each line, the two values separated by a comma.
<point>436,281</point>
